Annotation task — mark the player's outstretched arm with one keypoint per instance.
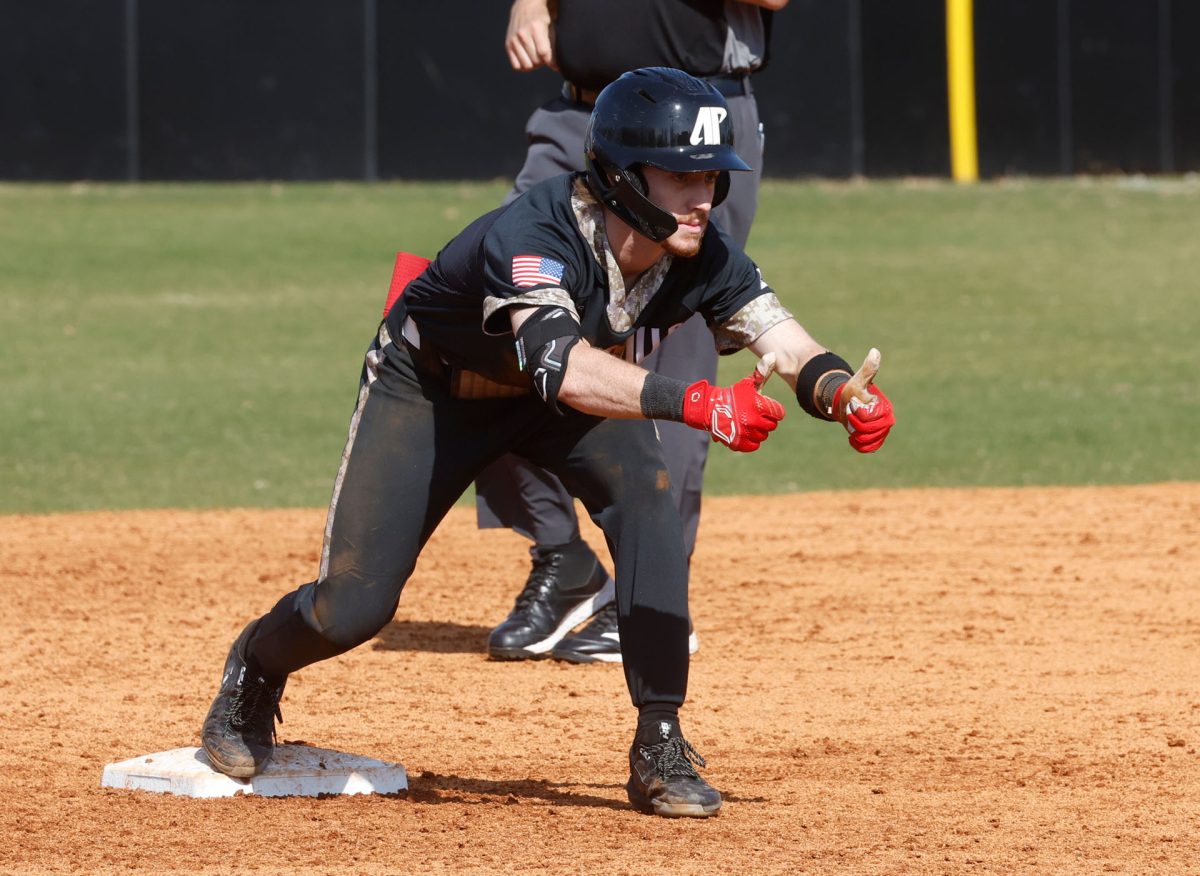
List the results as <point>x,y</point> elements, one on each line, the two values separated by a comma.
<point>738,416</point>
<point>599,383</point>
<point>564,368</point>
<point>825,386</point>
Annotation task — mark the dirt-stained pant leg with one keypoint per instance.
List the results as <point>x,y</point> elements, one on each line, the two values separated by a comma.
<point>515,495</point>
<point>411,452</point>
<point>616,468</point>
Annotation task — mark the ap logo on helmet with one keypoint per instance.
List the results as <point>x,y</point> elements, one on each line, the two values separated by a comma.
<point>707,129</point>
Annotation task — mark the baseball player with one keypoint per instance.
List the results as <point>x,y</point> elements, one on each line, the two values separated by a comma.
<point>524,336</point>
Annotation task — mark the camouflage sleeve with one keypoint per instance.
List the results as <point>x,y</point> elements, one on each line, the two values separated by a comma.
<point>536,297</point>
<point>748,323</point>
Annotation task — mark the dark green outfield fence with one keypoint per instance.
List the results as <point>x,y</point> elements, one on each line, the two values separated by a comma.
<point>370,89</point>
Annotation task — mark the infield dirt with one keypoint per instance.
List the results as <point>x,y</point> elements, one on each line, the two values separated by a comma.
<point>928,681</point>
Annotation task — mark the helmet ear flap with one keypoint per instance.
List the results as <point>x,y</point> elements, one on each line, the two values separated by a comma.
<point>634,174</point>
<point>721,191</point>
<point>622,191</point>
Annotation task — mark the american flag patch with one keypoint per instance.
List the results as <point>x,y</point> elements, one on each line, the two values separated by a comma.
<point>532,270</point>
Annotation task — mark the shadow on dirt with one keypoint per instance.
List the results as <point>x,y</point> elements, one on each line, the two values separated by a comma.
<point>435,789</point>
<point>438,637</point>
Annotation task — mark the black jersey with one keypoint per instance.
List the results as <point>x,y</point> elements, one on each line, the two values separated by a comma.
<point>541,250</point>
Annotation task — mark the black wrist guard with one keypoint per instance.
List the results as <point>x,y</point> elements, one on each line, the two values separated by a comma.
<point>544,342</point>
<point>818,381</point>
<point>662,398</point>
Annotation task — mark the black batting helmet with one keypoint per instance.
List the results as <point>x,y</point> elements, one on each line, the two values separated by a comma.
<point>667,119</point>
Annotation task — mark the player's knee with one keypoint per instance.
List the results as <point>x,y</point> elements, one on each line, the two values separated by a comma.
<point>635,475</point>
<point>351,607</point>
<point>646,471</point>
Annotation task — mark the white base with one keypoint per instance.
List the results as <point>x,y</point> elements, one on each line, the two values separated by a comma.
<point>293,771</point>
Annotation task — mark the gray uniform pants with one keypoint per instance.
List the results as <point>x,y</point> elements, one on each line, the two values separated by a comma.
<point>514,494</point>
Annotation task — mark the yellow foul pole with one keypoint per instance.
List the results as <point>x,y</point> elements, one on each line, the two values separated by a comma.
<point>960,64</point>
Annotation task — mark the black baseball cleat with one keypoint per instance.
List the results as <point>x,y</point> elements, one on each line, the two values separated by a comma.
<point>599,641</point>
<point>550,605</point>
<point>662,780</point>
<point>239,732</point>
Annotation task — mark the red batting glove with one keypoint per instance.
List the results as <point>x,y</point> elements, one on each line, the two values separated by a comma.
<point>868,424</point>
<point>738,416</point>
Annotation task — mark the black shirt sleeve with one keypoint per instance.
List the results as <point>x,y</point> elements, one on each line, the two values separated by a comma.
<point>531,257</point>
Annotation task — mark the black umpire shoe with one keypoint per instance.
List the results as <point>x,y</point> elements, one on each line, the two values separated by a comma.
<point>564,588</point>
<point>599,641</point>
<point>239,732</point>
<point>662,780</point>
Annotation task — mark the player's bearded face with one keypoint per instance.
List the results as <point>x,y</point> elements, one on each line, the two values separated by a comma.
<point>688,197</point>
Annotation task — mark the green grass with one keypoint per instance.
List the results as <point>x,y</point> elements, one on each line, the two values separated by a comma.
<point>199,345</point>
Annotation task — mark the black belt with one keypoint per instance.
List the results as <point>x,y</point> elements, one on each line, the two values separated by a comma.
<point>729,84</point>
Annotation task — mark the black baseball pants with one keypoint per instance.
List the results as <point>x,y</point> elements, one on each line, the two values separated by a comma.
<point>413,449</point>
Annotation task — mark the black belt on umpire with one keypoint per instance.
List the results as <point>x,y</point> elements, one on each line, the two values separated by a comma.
<point>729,84</point>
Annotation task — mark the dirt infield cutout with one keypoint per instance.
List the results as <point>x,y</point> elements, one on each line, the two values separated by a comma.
<point>925,681</point>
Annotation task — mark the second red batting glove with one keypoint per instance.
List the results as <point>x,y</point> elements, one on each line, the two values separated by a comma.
<point>867,423</point>
<point>738,416</point>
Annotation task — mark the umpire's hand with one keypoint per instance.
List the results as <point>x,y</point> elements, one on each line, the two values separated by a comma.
<point>529,41</point>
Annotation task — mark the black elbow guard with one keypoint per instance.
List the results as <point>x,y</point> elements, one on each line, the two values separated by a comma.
<point>544,343</point>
